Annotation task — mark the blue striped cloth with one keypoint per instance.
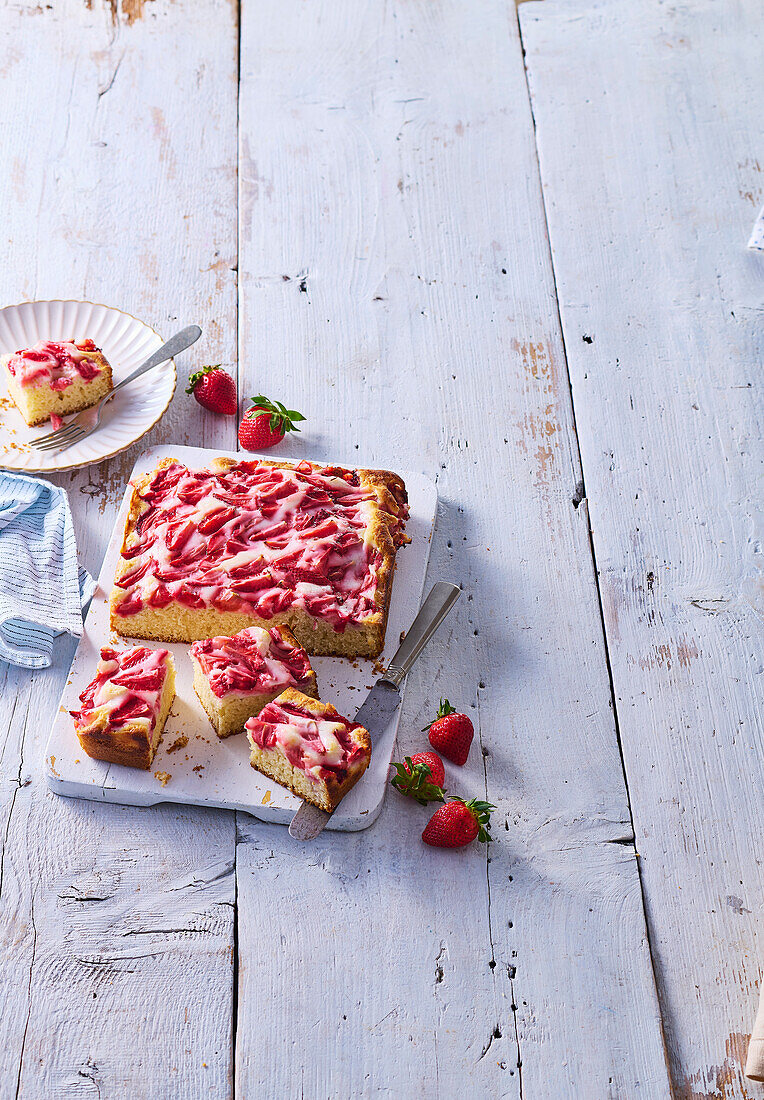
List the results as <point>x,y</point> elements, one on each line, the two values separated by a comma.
<point>42,589</point>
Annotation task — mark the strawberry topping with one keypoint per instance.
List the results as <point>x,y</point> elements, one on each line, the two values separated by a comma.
<point>258,538</point>
<point>56,363</point>
<point>321,747</point>
<point>127,688</point>
<point>254,661</point>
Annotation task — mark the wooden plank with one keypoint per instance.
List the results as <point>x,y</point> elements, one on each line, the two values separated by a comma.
<point>119,129</point>
<point>395,286</point>
<point>652,181</point>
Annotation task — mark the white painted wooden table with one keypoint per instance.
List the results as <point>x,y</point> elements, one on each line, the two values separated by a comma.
<point>504,248</point>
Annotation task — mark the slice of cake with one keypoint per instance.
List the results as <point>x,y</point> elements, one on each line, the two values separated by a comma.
<point>308,747</point>
<point>56,378</point>
<point>235,677</point>
<point>208,552</point>
<point>125,706</point>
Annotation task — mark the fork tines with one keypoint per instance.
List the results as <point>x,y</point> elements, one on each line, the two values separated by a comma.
<point>63,437</point>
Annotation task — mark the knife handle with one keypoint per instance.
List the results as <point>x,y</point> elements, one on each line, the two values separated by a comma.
<point>433,611</point>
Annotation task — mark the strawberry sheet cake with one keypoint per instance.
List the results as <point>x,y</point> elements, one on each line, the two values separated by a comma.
<point>208,552</point>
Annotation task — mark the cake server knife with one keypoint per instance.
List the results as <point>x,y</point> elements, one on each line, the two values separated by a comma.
<point>382,701</point>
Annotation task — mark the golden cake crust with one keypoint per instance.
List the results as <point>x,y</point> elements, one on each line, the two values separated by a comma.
<point>314,635</point>
<point>130,745</point>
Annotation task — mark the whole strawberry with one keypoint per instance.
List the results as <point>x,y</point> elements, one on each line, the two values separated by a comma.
<point>266,424</point>
<point>421,777</point>
<point>434,763</point>
<point>451,733</point>
<point>458,823</point>
<point>214,389</point>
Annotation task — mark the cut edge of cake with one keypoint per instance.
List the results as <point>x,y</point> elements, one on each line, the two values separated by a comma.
<point>179,623</point>
<point>229,713</point>
<point>326,793</point>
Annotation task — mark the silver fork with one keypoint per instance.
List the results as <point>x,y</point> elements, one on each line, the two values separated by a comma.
<point>83,425</point>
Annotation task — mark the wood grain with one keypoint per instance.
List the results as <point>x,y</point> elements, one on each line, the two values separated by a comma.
<point>395,286</point>
<point>652,177</point>
<point>119,124</point>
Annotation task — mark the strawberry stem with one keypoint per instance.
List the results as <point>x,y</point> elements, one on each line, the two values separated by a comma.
<point>444,710</point>
<point>195,378</point>
<point>414,781</point>
<point>281,419</point>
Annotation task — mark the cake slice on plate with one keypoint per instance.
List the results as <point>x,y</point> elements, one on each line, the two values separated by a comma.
<point>56,377</point>
<point>125,706</point>
<point>235,677</point>
<point>308,747</point>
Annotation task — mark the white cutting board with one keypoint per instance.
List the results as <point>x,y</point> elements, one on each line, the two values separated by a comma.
<point>208,771</point>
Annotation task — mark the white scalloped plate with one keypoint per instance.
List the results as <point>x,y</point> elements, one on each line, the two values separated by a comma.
<point>126,343</point>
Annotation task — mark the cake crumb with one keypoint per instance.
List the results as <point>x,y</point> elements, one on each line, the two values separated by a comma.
<point>266,798</point>
<point>163,777</point>
<point>179,743</point>
<point>199,769</point>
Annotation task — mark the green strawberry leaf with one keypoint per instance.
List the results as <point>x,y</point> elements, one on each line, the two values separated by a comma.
<point>444,710</point>
<point>481,811</point>
<point>281,419</point>
<point>414,781</point>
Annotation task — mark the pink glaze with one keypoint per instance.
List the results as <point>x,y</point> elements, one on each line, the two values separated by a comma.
<point>258,539</point>
<point>56,363</point>
<point>321,747</point>
<point>127,687</point>
<point>254,662</point>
